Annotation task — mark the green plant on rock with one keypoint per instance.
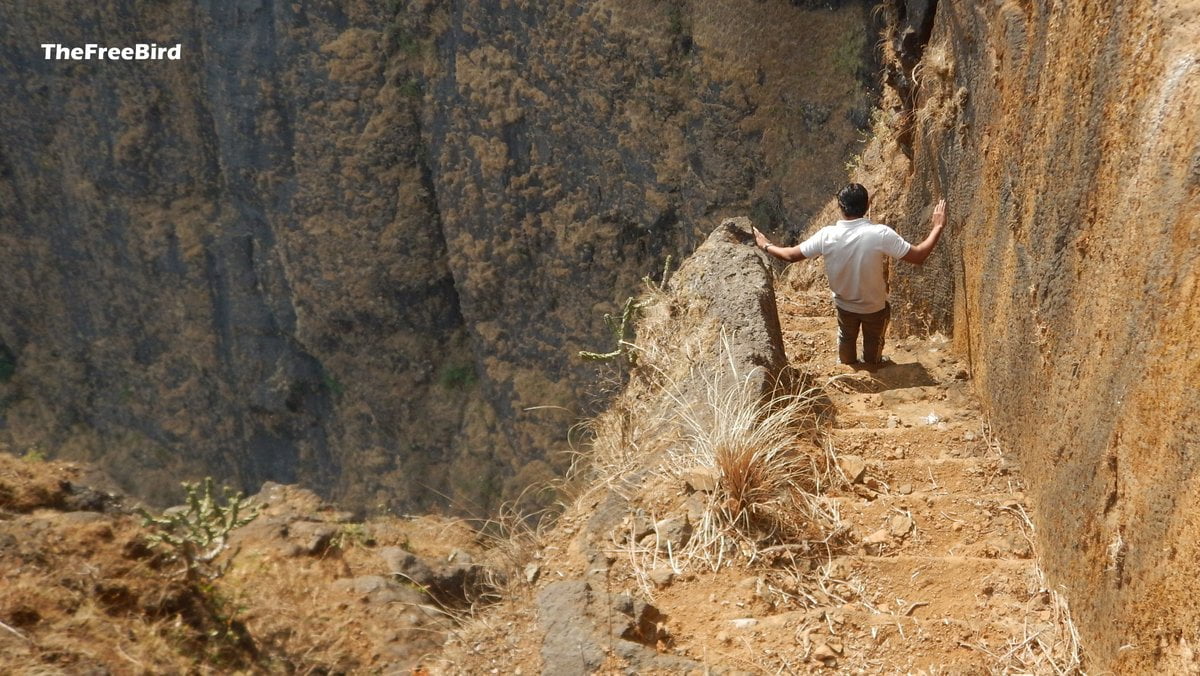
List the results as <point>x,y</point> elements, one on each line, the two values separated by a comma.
<point>661,285</point>
<point>354,535</point>
<point>620,331</point>
<point>620,327</point>
<point>458,377</point>
<point>198,532</point>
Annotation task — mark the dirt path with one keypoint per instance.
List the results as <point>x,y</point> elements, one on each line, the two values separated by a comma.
<point>930,568</point>
<point>944,577</point>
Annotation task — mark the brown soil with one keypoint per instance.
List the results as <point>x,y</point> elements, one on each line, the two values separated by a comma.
<point>942,579</point>
<point>936,574</point>
<point>307,589</point>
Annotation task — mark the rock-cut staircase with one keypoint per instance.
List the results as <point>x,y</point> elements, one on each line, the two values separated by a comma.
<point>941,561</point>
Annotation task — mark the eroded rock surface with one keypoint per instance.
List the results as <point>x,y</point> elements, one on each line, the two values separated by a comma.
<point>359,246</point>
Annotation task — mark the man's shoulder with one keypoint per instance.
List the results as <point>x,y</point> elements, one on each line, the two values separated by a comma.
<point>881,229</point>
<point>820,233</point>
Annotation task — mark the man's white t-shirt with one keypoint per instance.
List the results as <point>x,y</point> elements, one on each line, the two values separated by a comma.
<point>854,261</point>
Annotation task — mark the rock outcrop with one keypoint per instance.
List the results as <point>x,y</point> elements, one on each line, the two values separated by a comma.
<point>730,285</point>
<point>1064,139</point>
<point>713,330</point>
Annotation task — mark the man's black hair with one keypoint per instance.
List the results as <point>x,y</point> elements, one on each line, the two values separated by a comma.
<point>853,200</point>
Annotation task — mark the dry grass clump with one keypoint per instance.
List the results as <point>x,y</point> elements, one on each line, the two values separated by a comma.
<point>937,63</point>
<point>1050,646</point>
<point>767,475</point>
<point>680,413</point>
<point>638,424</point>
<point>934,78</point>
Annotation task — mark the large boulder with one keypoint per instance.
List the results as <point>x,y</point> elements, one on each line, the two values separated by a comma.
<point>728,288</point>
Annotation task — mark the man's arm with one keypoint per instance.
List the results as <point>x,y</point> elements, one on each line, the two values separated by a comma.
<point>919,252</point>
<point>790,254</point>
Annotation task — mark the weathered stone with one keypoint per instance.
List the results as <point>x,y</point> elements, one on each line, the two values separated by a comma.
<point>404,563</point>
<point>695,508</point>
<point>899,525</point>
<point>310,537</point>
<point>732,286</point>
<point>853,467</point>
<point>662,576</point>
<point>825,655</point>
<point>449,583</point>
<point>377,590</point>
<point>879,537</point>
<point>460,557</point>
<point>673,531</point>
<point>701,479</point>
<point>569,643</point>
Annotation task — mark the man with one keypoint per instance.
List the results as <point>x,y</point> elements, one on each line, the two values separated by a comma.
<point>855,263</point>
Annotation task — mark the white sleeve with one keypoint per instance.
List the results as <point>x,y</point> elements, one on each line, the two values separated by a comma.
<point>893,244</point>
<point>814,246</point>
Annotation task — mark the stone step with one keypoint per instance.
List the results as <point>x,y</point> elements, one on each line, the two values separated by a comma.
<point>822,325</point>
<point>938,525</point>
<point>902,476</point>
<point>922,414</point>
<point>933,588</point>
<point>864,637</point>
<point>954,439</point>
<point>856,395</point>
<point>898,375</point>
<point>811,349</point>
<point>807,304</point>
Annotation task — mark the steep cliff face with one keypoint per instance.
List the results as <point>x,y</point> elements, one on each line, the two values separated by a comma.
<point>1064,137</point>
<point>356,245</point>
<point>230,264</point>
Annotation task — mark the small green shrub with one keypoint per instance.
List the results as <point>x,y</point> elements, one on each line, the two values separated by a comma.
<point>412,88</point>
<point>620,331</point>
<point>197,533</point>
<point>402,40</point>
<point>333,384</point>
<point>458,377</point>
<point>621,327</point>
<point>848,55</point>
<point>354,535</point>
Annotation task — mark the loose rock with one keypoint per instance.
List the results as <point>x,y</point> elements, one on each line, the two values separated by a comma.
<point>673,530</point>
<point>662,576</point>
<point>853,467</point>
<point>701,479</point>
<point>899,525</point>
<point>825,655</point>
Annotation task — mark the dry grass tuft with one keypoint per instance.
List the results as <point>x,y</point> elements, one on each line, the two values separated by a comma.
<point>768,475</point>
<point>1051,646</point>
<point>937,63</point>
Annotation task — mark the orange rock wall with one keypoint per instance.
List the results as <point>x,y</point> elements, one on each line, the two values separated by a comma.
<point>1065,138</point>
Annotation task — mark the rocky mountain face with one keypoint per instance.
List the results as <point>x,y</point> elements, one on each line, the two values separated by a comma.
<point>356,245</point>
<point>1064,138</point>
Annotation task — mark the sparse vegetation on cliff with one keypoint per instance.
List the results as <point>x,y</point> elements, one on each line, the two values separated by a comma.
<point>199,532</point>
